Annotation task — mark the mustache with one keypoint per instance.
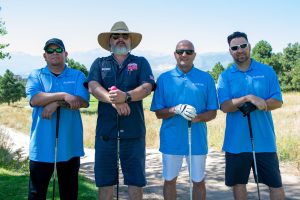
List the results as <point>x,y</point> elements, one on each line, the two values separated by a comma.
<point>120,42</point>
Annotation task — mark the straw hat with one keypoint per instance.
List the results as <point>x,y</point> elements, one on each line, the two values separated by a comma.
<point>119,27</point>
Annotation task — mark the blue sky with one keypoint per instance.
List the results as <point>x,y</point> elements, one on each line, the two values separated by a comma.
<point>162,22</point>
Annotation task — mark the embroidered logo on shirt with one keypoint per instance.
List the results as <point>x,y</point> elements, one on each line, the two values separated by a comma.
<point>69,82</point>
<point>198,84</point>
<point>259,76</point>
<point>131,67</point>
<point>105,69</point>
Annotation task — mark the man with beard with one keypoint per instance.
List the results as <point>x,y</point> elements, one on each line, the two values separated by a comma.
<point>120,125</point>
<point>249,81</point>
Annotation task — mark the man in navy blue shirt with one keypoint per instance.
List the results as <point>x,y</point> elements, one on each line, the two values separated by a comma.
<point>120,111</point>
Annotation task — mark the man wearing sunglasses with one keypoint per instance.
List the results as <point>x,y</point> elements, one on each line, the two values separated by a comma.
<point>249,81</point>
<point>184,94</point>
<point>56,85</point>
<point>120,82</point>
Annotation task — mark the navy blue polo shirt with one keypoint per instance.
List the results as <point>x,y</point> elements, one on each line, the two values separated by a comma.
<point>133,72</point>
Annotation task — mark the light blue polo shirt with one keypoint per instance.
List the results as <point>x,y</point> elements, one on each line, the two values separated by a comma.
<point>196,88</point>
<point>259,80</point>
<point>42,136</point>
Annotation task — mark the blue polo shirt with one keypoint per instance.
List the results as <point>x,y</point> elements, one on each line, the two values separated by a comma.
<point>133,72</point>
<point>196,88</point>
<point>259,80</point>
<point>42,134</point>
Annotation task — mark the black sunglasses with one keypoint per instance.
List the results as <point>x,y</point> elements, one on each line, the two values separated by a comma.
<point>116,36</point>
<point>187,51</point>
<point>51,51</point>
<point>242,46</point>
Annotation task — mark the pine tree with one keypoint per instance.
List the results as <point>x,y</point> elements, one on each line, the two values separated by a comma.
<point>11,90</point>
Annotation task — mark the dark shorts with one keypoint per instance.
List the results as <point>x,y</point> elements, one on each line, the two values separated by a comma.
<point>67,174</point>
<point>238,168</point>
<point>132,159</point>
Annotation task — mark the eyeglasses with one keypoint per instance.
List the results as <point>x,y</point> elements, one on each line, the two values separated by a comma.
<point>187,51</point>
<point>242,46</point>
<point>51,51</point>
<point>117,36</point>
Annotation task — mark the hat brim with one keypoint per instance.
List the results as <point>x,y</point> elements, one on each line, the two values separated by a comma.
<point>103,39</point>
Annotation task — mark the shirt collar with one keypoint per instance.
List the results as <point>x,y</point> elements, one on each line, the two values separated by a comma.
<point>64,72</point>
<point>252,66</point>
<point>177,72</point>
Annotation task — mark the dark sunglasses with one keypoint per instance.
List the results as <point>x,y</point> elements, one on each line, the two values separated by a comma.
<point>117,36</point>
<point>187,51</point>
<point>51,51</point>
<point>242,46</point>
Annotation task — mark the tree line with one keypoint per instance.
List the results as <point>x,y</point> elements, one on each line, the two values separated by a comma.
<point>286,64</point>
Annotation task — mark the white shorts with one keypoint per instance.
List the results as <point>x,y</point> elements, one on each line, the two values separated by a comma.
<point>172,165</point>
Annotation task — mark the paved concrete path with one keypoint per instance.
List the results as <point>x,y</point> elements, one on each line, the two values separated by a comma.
<point>153,191</point>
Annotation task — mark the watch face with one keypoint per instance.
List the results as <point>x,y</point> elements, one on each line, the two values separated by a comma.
<point>128,97</point>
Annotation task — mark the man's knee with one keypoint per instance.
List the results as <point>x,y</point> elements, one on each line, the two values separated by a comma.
<point>200,185</point>
<point>277,193</point>
<point>171,182</point>
<point>105,193</point>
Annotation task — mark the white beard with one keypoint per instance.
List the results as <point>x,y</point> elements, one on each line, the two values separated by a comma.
<point>120,50</point>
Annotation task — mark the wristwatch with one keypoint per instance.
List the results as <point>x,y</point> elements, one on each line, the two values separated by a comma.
<point>128,98</point>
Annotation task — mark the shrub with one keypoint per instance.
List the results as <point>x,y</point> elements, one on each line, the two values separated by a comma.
<point>9,158</point>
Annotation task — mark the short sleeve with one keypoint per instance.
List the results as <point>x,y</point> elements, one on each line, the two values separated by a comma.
<point>94,74</point>
<point>33,85</point>
<point>158,96</point>
<point>146,75</point>
<point>275,92</point>
<point>223,88</point>
<point>80,89</point>
<point>212,101</point>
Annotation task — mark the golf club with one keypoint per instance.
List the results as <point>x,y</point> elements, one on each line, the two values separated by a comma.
<point>118,147</point>
<point>246,109</point>
<point>190,156</point>
<point>55,153</point>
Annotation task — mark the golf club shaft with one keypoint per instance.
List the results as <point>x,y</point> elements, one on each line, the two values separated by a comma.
<point>190,157</point>
<point>254,157</point>
<point>55,150</point>
<point>118,154</point>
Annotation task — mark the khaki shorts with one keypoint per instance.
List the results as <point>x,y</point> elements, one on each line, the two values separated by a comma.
<point>172,165</point>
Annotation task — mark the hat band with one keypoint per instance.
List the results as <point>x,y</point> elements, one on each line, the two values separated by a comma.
<point>121,30</point>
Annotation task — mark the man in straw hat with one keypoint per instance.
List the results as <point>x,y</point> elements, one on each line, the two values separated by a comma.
<point>120,82</point>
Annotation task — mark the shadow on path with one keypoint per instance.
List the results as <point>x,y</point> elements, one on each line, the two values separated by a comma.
<point>215,187</point>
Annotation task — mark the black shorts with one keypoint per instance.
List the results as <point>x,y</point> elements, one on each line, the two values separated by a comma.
<point>132,159</point>
<point>238,169</point>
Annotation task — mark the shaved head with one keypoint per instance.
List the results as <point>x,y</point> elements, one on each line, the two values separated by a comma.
<point>185,43</point>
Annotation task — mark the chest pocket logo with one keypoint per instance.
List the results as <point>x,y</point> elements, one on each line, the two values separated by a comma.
<point>131,67</point>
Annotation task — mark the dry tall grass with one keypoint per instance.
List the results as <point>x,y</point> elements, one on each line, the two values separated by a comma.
<point>286,120</point>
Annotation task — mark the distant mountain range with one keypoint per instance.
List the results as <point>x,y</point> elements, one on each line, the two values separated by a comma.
<point>22,63</point>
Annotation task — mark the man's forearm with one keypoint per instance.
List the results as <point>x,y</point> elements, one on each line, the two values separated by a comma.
<point>141,92</point>
<point>43,98</point>
<point>165,113</point>
<point>98,92</point>
<point>206,116</point>
<point>273,104</point>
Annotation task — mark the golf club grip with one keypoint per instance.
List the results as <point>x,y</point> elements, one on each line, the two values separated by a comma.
<point>189,123</point>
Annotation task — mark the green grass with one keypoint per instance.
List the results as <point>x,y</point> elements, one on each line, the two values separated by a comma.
<point>14,186</point>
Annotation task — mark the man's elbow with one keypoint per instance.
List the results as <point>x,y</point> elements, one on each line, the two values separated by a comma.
<point>224,109</point>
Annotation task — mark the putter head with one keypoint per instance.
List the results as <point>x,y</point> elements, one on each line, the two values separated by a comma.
<point>246,108</point>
